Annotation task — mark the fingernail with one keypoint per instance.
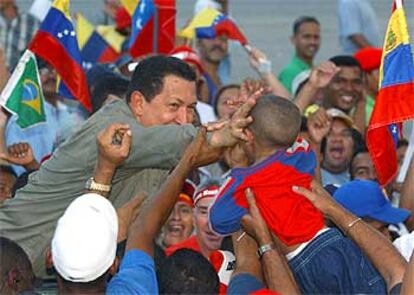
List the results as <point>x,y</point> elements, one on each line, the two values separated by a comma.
<point>295,188</point>
<point>129,132</point>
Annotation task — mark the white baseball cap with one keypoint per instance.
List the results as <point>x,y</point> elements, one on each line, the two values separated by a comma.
<point>85,239</point>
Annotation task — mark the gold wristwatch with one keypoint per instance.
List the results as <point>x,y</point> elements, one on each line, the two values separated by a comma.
<point>94,186</point>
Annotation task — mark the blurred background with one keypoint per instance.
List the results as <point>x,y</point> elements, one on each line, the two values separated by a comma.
<point>266,23</point>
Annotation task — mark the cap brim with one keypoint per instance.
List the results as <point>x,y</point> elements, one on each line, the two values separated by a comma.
<point>389,214</point>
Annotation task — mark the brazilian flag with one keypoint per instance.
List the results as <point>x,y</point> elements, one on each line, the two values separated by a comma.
<point>23,94</point>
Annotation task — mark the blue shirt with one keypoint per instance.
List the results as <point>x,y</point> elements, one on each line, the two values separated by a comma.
<point>136,275</point>
<point>357,17</point>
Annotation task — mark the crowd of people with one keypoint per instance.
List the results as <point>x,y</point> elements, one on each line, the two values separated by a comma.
<point>181,181</point>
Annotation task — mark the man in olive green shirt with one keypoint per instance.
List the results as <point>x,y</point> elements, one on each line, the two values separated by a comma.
<point>306,40</point>
<point>159,105</point>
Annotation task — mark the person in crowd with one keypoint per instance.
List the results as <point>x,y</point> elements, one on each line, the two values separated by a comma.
<point>179,225</point>
<point>187,272</point>
<point>204,240</point>
<point>338,146</point>
<point>212,52</point>
<point>46,137</point>
<point>16,31</point>
<point>224,96</point>
<point>16,271</point>
<point>357,25</point>
<point>160,100</point>
<point>370,61</point>
<point>382,254</point>
<point>306,41</point>
<point>7,181</point>
<point>187,54</point>
<point>307,243</point>
<point>345,90</point>
<point>365,199</point>
<point>361,166</point>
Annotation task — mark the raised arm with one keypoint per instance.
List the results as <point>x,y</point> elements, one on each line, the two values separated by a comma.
<point>379,250</point>
<point>147,225</point>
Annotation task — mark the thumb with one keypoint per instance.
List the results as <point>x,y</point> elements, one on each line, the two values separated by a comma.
<point>4,156</point>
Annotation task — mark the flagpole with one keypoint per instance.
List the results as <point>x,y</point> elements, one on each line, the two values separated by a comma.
<point>155,32</point>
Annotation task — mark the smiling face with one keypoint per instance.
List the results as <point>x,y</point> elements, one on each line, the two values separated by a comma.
<point>174,105</point>
<point>344,90</point>
<point>207,239</point>
<point>307,40</point>
<point>179,225</point>
<point>339,147</point>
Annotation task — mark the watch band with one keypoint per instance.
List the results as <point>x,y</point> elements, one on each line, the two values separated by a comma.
<point>264,248</point>
<point>94,186</point>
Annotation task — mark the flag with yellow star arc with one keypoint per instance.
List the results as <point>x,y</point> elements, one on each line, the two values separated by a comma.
<point>23,94</point>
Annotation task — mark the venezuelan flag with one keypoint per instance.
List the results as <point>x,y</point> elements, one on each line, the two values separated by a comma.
<point>56,43</point>
<point>395,100</point>
<point>144,13</point>
<point>94,48</point>
<point>210,23</point>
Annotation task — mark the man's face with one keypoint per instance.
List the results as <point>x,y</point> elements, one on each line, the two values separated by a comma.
<point>179,225</point>
<point>345,89</point>
<point>48,77</point>
<point>339,147</point>
<point>7,181</point>
<point>224,109</point>
<point>307,40</point>
<point>213,50</point>
<point>363,168</point>
<point>174,105</point>
<point>210,240</point>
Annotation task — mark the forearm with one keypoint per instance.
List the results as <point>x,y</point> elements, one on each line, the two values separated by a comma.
<point>275,269</point>
<point>360,41</point>
<point>359,116</point>
<point>147,225</point>
<point>305,97</point>
<point>408,281</point>
<point>246,258</point>
<point>373,244</point>
<point>407,194</point>
<point>103,174</point>
<point>32,166</point>
<point>277,87</point>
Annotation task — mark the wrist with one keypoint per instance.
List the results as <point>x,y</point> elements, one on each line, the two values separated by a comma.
<point>33,165</point>
<point>104,172</point>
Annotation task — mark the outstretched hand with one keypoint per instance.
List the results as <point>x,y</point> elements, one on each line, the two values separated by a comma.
<point>114,143</point>
<point>322,74</point>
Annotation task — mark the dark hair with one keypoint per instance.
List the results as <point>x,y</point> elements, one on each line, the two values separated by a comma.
<point>187,272</point>
<point>148,77</point>
<point>13,256</point>
<point>302,20</point>
<point>362,149</point>
<point>402,142</point>
<point>276,121</point>
<point>7,169</point>
<point>21,181</point>
<point>110,84</point>
<point>345,61</point>
<point>219,93</point>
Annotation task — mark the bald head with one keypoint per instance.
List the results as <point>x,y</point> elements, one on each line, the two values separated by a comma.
<point>276,121</point>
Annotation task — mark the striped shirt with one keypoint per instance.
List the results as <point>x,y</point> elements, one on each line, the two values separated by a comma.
<point>15,36</point>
